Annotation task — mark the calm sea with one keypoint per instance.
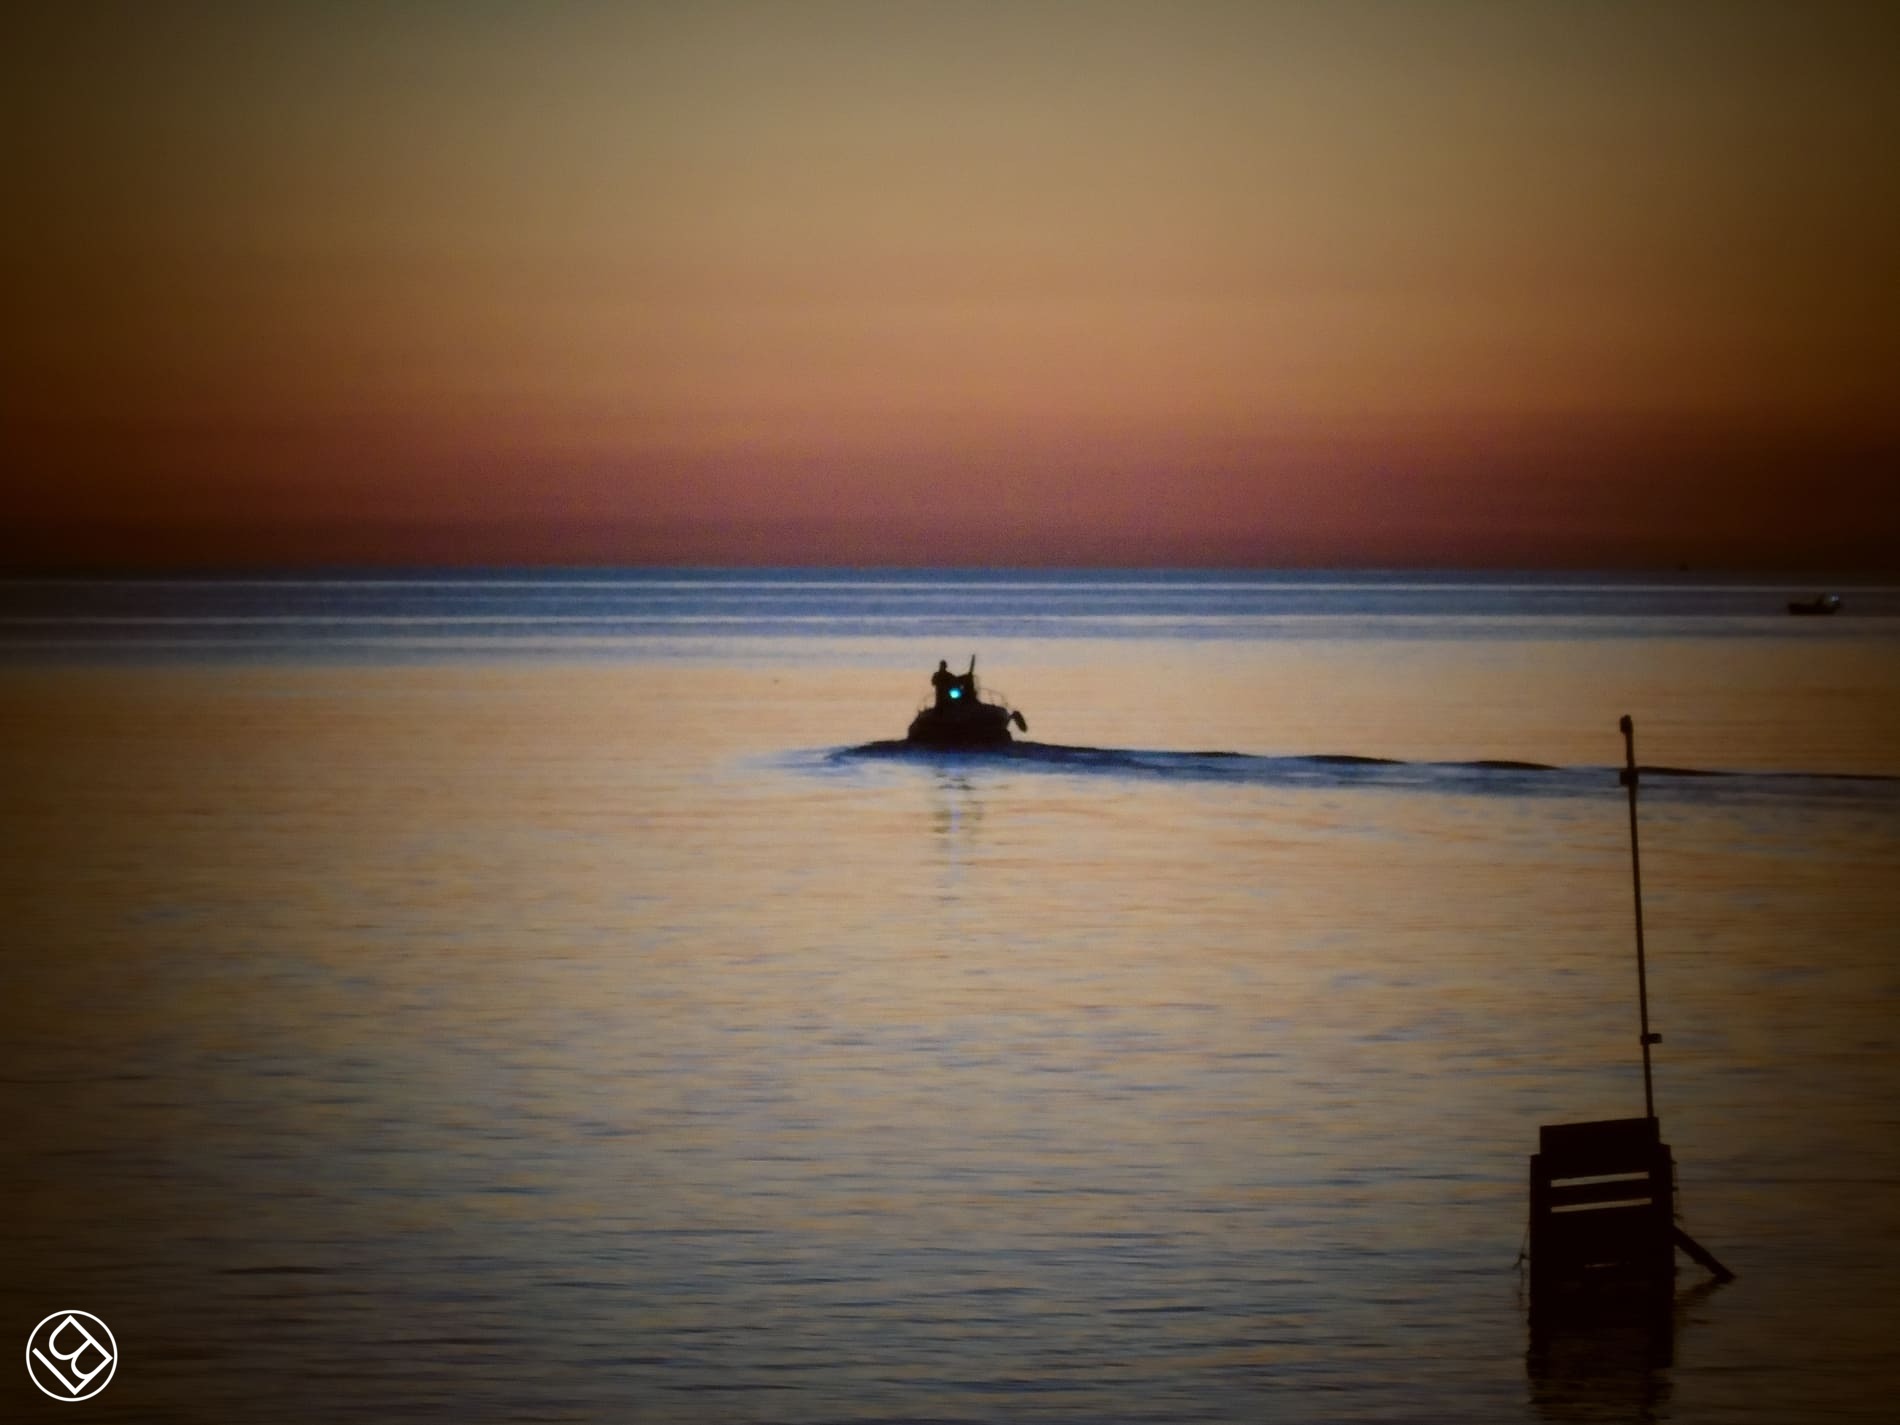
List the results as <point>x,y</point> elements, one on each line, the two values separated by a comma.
<point>523,997</point>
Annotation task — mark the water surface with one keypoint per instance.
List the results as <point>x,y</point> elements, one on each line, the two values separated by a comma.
<point>517,998</point>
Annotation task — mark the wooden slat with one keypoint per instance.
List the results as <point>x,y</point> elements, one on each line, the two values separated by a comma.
<point>1578,1195</point>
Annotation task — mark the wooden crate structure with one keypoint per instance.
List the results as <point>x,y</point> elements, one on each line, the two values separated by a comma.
<point>1602,1212</point>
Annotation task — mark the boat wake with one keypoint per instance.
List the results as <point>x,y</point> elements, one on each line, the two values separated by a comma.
<point>1344,771</point>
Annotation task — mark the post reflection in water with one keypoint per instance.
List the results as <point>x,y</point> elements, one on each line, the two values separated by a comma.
<point>1612,1365</point>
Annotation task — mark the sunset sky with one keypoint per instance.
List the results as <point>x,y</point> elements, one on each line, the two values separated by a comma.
<point>1014,283</point>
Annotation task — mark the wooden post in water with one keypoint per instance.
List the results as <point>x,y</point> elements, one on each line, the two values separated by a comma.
<point>1603,1193</point>
<point>1700,1254</point>
<point>1629,779</point>
<point>1602,1204</point>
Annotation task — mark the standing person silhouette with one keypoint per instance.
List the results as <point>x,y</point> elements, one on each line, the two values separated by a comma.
<point>954,689</point>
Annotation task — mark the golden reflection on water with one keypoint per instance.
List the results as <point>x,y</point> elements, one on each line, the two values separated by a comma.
<point>592,1015</point>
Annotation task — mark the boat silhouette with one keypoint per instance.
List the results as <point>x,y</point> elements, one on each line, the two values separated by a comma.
<point>1819,604</point>
<point>960,717</point>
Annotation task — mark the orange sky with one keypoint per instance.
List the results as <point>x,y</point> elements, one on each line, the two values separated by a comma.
<point>961,283</point>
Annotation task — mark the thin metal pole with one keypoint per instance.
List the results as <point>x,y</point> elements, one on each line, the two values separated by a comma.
<point>1629,779</point>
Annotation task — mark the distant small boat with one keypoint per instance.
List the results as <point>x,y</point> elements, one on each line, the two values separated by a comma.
<point>1819,604</point>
